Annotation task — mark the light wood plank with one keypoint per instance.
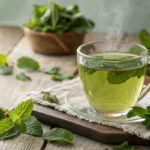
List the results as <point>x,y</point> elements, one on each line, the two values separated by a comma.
<point>9,36</point>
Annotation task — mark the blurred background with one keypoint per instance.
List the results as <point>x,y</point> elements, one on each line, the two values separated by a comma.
<point>109,15</point>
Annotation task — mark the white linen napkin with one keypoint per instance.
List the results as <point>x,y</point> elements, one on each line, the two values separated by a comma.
<point>64,88</point>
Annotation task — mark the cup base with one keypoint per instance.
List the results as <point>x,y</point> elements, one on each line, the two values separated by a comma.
<point>79,104</point>
<point>111,115</point>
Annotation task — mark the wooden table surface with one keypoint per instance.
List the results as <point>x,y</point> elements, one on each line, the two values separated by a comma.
<point>14,44</point>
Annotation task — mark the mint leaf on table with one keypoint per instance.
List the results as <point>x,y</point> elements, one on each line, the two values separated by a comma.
<point>23,77</point>
<point>49,97</point>
<point>33,126</point>
<point>14,131</point>
<point>123,146</point>
<point>5,125</point>
<point>3,60</point>
<point>28,63</point>
<point>22,111</point>
<point>141,112</point>
<point>51,70</point>
<point>61,77</point>
<point>137,111</point>
<point>7,129</point>
<point>59,135</point>
<point>5,70</point>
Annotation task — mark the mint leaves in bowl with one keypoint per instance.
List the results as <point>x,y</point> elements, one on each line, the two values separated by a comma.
<point>57,30</point>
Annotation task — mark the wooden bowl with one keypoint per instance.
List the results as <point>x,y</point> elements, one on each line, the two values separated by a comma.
<point>54,44</point>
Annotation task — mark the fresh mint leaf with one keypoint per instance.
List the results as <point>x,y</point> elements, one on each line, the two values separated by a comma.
<point>51,70</point>
<point>10,133</point>
<point>49,97</point>
<point>20,124</point>
<point>22,111</point>
<point>5,70</point>
<point>61,77</point>
<point>33,126</point>
<point>23,77</point>
<point>2,114</point>
<point>59,135</point>
<point>3,60</point>
<point>5,125</point>
<point>141,112</point>
<point>123,146</point>
<point>59,19</point>
<point>28,63</point>
<point>137,111</point>
<point>119,77</point>
<point>147,123</point>
<point>54,16</point>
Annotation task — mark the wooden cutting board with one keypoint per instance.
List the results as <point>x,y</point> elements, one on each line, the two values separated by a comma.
<point>101,133</point>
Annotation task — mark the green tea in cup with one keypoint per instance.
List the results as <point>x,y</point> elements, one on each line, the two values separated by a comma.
<point>112,75</point>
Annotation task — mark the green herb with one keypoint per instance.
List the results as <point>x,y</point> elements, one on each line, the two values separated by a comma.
<point>28,63</point>
<point>49,97</point>
<point>123,146</point>
<point>3,60</point>
<point>59,19</point>
<point>7,129</point>
<point>119,77</point>
<point>22,111</point>
<point>20,124</point>
<point>58,135</point>
<point>23,77</point>
<point>2,114</point>
<point>61,77</point>
<point>145,38</point>
<point>33,126</point>
<point>5,70</point>
<point>51,70</point>
<point>14,131</point>
<point>141,112</point>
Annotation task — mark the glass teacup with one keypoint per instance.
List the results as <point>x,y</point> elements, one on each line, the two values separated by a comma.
<point>112,74</point>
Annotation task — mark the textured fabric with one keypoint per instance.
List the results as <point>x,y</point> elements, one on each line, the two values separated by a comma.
<point>64,88</point>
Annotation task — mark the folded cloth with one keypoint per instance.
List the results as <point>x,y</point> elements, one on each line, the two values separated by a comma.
<point>64,88</point>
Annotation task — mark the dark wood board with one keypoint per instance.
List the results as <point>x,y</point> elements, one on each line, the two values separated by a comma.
<point>101,133</point>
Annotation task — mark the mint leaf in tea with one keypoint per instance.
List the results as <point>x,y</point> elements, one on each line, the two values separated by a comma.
<point>113,82</point>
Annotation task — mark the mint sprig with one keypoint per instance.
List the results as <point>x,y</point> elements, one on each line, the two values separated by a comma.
<point>33,126</point>
<point>59,135</point>
<point>22,111</point>
<point>123,146</point>
<point>142,113</point>
<point>19,120</point>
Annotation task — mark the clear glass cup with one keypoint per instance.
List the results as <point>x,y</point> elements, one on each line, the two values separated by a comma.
<point>112,75</point>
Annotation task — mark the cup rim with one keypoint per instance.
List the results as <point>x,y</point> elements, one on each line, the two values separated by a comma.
<point>101,41</point>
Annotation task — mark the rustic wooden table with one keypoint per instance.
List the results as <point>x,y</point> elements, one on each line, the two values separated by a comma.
<point>14,44</point>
